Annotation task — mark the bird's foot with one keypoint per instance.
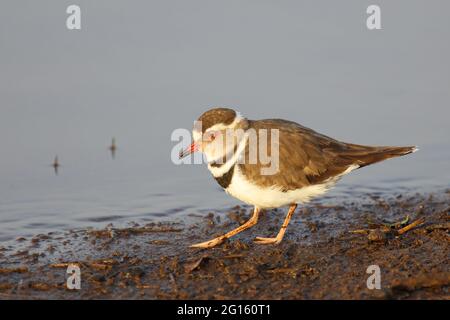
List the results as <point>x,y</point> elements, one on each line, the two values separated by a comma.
<point>260,240</point>
<point>209,244</point>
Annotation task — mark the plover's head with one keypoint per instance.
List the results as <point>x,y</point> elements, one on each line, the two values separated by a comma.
<point>216,133</point>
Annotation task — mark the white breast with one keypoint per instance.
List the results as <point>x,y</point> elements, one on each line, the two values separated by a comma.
<point>273,197</point>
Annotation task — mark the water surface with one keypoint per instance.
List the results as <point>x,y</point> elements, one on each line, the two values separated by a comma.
<point>138,70</point>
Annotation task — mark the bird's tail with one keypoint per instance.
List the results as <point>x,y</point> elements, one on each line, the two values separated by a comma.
<point>365,155</point>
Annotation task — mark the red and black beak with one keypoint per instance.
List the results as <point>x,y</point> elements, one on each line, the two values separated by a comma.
<point>191,149</point>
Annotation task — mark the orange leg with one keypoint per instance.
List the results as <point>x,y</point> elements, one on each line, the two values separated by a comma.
<point>214,242</point>
<point>280,234</point>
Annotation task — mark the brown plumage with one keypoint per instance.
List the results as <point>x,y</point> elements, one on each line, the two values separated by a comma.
<point>307,157</point>
<point>220,115</point>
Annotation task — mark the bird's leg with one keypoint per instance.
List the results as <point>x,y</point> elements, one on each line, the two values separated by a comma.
<point>280,234</point>
<point>214,242</point>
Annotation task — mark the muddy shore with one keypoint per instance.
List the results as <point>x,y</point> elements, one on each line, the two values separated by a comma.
<point>325,255</point>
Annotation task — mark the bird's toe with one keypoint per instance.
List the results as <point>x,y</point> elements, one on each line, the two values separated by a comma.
<point>208,244</point>
<point>261,240</point>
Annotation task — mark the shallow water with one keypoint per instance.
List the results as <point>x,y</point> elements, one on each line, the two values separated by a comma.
<point>113,191</point>
<point>68,93</point>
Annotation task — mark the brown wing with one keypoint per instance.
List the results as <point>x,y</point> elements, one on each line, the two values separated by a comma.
<point>307,157</point>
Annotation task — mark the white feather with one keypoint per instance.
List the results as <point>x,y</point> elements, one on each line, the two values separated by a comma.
<point>272,197</point>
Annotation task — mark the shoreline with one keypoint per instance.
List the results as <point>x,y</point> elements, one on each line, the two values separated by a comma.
<point>325,255</point>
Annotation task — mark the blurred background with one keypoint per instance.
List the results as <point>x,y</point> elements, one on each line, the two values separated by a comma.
<point>137,70</point>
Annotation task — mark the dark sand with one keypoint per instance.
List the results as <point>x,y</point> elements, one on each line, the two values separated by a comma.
<point>320,258</point>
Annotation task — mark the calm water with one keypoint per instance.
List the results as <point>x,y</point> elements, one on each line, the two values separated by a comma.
<point>101,191</point>
<point>139,70</point>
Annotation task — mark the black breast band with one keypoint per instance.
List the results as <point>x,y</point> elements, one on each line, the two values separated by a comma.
<point>225,179</point>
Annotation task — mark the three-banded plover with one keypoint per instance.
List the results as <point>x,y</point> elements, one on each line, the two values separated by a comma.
<point>309,163</point>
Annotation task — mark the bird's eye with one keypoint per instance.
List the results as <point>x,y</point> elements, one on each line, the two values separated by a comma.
<point>209,137</point>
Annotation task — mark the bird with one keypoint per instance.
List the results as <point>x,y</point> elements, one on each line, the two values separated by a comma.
<point>309,163</point>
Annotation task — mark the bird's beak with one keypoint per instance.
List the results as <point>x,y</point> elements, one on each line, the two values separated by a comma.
<point>191,149</point>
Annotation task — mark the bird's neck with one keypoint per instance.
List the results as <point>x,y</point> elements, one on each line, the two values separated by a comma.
<point>219,168</point>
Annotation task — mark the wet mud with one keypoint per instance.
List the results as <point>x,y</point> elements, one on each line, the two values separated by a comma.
<point>325,255</point>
